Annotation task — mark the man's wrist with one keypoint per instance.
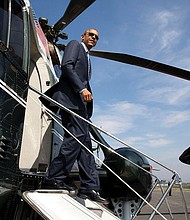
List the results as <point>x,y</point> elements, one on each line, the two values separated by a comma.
<point>82,90</point>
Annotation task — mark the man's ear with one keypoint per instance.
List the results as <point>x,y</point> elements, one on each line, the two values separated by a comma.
<point>82,36</point>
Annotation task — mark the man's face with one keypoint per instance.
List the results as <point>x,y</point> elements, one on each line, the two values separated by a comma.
<point>90,38</point>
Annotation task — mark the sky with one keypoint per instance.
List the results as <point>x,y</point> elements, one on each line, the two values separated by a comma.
<point>148,110</point>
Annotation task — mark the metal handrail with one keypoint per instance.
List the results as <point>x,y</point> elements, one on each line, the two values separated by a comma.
<point>52,101</point>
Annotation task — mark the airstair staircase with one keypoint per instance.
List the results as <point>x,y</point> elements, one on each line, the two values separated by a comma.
<point>59,205</point>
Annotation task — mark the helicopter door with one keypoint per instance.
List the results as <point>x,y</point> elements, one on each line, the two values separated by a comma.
<point>37,136</point>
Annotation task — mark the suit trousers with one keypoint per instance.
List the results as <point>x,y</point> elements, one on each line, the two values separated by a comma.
<point>71,151</point>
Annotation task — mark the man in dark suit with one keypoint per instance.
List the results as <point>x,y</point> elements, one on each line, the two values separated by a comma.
<point>74,92</point>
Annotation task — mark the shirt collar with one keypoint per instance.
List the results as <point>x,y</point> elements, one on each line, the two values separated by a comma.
<point>85,47</point>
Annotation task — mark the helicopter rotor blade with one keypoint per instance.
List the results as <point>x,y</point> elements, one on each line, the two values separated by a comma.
<point>74,9</point>
<point>141,62</point>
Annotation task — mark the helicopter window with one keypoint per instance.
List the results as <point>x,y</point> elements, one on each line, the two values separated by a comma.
<point>4,20</point>
<point>17,32</point>
<point>15,39</point>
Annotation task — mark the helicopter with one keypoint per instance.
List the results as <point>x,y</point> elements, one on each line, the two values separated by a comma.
<point>29,52</point>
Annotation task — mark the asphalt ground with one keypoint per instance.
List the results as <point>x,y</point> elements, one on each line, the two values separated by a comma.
<point>175,202</point>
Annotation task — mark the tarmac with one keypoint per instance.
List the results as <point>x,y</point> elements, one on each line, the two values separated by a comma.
<point>176,204</point>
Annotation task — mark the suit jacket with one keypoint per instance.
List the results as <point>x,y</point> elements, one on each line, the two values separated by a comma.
<point>74,78</point>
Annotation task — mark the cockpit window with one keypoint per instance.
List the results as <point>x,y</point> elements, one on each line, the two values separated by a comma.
<point>12,31</point>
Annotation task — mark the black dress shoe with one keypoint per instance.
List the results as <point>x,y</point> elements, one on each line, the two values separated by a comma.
<point>56,185</point>
<point>92,195</point>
